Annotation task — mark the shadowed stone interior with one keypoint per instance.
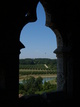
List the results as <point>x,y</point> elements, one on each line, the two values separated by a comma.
<point>62,16</point>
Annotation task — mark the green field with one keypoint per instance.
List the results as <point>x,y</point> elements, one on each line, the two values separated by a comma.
<point>36,68</point>
<point>38,63</point>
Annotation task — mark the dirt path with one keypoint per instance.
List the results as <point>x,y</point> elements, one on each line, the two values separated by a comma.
<point>46,75</point>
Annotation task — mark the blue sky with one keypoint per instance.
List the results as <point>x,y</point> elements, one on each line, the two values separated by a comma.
<point>39,40</point>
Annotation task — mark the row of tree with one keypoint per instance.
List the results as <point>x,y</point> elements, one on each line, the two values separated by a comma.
<point>35,66</point>
<point>37,63</point>
<point>37,72</point>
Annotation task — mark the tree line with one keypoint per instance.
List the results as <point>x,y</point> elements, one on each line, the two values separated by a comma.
<point>37,72</point>
<point>37,63</point>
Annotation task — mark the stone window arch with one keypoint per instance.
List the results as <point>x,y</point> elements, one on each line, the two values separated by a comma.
<point>59,51</point>
<point>61,16</point>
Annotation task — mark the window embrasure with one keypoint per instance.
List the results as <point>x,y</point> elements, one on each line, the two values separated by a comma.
<point>41,66</point>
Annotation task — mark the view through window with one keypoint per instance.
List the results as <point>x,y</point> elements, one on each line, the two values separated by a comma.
<point>38,63</point>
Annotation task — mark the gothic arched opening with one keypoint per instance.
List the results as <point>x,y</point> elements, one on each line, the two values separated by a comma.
<point>45,44</point>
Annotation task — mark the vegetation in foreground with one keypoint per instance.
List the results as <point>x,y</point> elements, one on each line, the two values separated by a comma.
<point>35,86</point>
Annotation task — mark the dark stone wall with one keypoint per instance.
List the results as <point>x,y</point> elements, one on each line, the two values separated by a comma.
<point>64,18</point>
